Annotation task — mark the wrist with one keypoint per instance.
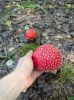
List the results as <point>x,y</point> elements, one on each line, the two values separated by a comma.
<point>20,75</point>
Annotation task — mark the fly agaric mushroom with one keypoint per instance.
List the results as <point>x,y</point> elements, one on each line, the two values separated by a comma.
<point>47,58</point>
<point>31,34</point>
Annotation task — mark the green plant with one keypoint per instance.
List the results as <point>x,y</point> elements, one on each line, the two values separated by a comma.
<point>31,5</point>
<point>67,8</point>
<point>28,4</point>
<point>71,98</point>
<point>26,48</point>
<point>7,55</point>
<point>46,1</point>
<point>67,71</point>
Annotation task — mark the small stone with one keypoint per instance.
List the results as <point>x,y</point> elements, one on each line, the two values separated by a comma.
<point>59,45</point>
<point>44,34</point>
<point>47,37</point>
<point>26,27</point>
<point>58,14</point>
<point>48,41</point>
<point>9,63</point>
<point>11,49</point>
<point>14,2</point>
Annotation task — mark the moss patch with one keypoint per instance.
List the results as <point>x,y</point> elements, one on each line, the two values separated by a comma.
<point>26,48</point>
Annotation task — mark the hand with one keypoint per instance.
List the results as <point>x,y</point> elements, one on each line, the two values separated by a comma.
<point>20,79</point>
<point>26,68</point>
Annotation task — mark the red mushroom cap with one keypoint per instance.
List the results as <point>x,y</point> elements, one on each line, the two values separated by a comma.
<point>47,58</point>
<point>31,34</point>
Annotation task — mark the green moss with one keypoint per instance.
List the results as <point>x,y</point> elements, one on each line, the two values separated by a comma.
<point>28,4</point>
<point>71,98</point>
<point>26,48</point>
<point>67,71</point>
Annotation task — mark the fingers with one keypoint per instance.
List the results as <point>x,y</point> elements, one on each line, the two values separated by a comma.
<point>32,78</point>
<point>35,74</point>
<point>29,54</point>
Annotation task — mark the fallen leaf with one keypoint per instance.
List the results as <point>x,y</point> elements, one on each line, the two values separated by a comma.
<point>44,34</point>
<point>8,22</point>
<point>70,57</point>
<point>69,5</point>
<point>57,37</point>
<point>68,36</point>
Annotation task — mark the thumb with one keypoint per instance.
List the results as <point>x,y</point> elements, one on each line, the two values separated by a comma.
<point>29,54</point>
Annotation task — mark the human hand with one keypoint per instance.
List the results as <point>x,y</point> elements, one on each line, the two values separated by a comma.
<point>26,68</point>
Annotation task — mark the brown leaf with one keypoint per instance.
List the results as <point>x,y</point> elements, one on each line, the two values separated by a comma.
<point>57,37</point>
<point>68,36</point>
<point>70,57</point>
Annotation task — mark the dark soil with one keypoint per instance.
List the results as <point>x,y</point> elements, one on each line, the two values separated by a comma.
<point>55,25</point>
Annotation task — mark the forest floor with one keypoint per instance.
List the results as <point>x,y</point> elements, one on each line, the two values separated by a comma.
<point>54,22</point>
